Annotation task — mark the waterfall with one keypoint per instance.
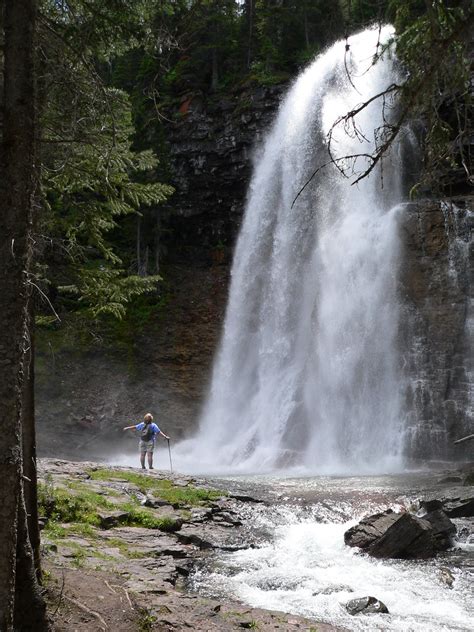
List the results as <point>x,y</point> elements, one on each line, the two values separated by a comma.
<point>308,371</point>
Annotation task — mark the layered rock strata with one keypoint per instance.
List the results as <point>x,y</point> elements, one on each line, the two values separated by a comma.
<point>437,326</point>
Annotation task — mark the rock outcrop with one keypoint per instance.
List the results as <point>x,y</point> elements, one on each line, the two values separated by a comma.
<point>210,149</point>
<point>438,301</point>
<point>457,507</point>
<point>129,577</point>
<point>402,535</point>
<point>211,144</point>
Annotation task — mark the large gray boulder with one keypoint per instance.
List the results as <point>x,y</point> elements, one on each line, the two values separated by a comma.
<point>402,535</point>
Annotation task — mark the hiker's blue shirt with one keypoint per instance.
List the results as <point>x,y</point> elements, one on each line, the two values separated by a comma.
<point>153,427</point>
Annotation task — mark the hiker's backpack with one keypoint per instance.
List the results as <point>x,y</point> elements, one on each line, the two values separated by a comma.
<point>146,433</point>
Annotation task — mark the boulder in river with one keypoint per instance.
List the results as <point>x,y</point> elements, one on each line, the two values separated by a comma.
<point>402,535</point>
<point>370,529</point>
<point>366,605</point>
<point>456,507</point>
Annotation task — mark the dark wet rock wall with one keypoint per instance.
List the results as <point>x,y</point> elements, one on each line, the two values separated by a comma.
<point>438,325</point>
<point>210,147</point>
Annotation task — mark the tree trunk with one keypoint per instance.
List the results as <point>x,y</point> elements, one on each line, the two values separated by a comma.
<point>249,18</point>
<point>18,588</point>
<point>157,243</point>
<point>30,609</point>
<point>29,451</point>
<point>215,70</point>
<point>138,245</point>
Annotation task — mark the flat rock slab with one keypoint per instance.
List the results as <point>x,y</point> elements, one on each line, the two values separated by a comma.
<point>455,507</point>
<point>153,544</point>
<point>210,536</point>
<point>461,508</point>
<point>156,503</point>
<point>191,612</point>
<point>113,518</point>
<point>151,574</point>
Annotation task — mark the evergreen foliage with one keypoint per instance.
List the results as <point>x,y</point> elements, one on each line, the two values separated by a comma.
<point>91,175</point>
<point>434,44</point>
<point>88,187</point>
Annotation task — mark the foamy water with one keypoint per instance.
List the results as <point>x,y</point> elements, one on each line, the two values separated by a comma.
<point>306,569</point>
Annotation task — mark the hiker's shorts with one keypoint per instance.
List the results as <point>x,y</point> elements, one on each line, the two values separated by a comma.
<point>146,446</point>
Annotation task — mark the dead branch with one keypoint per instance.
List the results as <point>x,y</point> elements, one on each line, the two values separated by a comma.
<point>92,613</point>
<point>468,438</point>
<point>389,131</point>
<point>60,595</point>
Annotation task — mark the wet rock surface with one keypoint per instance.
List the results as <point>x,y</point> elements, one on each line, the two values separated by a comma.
<point>457,507</point>
<point>437,291</point>
<point>402,535</point>
<point>126,577</point>
<point>366,605</point>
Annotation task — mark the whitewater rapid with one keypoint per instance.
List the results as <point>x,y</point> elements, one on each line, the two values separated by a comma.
<point>303,567</point>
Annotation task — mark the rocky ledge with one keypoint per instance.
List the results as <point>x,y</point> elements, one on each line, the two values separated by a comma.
<point>422,532</point>
<point>119,545</point>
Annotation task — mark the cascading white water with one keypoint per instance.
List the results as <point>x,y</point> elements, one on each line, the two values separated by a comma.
<point>308,371</point>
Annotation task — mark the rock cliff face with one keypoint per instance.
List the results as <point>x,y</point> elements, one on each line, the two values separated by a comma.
<point>85,398</point>
<point>438,320</point>
<point>210,148</point>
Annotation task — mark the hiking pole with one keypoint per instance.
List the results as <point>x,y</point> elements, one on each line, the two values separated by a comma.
<point>169,451</point>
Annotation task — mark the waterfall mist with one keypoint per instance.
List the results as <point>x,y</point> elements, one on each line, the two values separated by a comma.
<point>307,373</point>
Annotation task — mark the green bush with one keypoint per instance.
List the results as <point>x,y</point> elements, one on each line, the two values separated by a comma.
<point>62,505</point>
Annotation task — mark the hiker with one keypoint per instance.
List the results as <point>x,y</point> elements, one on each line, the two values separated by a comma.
<point>148,431</point>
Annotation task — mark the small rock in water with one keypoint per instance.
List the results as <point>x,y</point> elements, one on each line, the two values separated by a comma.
<point>366,605</point>
<point>446,576</point>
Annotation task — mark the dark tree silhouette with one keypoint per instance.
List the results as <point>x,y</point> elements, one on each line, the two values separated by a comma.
<point>21,603</point>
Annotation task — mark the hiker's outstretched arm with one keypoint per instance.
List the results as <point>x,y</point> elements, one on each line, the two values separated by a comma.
<point>165,436</point>
<point>129,427</point>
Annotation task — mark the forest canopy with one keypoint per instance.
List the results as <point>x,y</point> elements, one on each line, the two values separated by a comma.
<point>112,76</point>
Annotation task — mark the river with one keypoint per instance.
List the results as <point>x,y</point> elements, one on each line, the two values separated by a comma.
<point>301,564</point>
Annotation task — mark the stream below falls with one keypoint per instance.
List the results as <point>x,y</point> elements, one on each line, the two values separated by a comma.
<point>300,564</point>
